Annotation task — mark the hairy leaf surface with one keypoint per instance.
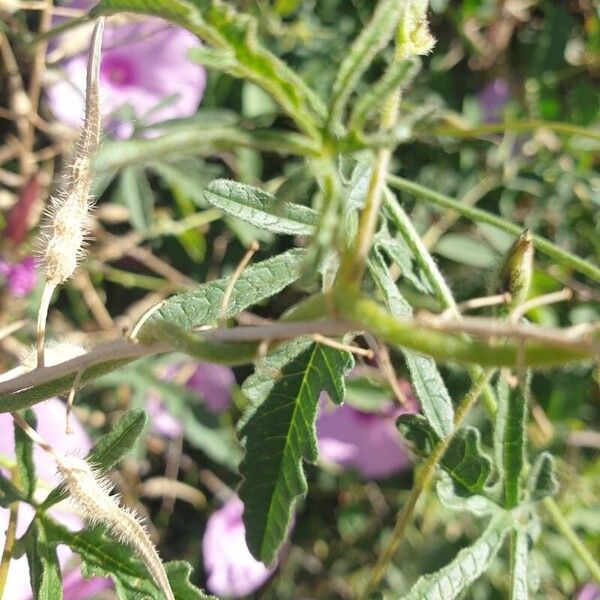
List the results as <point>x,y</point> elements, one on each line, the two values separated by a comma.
<point>102,556</point>
<point>261,209</point>
<point>452,580</point>
<point>279,432</point>
<point>44,569</point>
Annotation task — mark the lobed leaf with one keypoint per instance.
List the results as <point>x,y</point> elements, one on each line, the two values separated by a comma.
<point>477,505</point>
<point>279,432</point>
<point>454,579</point>
<point>260,208</point>
<point>463,460</point>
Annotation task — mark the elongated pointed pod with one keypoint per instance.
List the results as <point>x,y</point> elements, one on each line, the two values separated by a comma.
<point>67,220</point>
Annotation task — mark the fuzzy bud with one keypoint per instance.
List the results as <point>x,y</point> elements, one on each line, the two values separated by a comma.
<point>414,37</point>
<point>92,495</point>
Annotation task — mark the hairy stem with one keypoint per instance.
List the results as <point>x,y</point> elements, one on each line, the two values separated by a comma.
<point>421,482</point>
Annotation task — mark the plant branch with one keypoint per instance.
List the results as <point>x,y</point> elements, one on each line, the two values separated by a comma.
<point>422,480</point>
<point>560,256</point>
<point>567,531</point>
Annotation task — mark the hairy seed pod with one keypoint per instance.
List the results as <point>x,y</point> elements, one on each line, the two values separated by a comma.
<point>91,494</point>
<point>67,221</point>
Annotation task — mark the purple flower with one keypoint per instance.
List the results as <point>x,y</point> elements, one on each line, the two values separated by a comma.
<point>20,277</point>
<point>367,442</point>
<point>231,570</point>
<point>144,70</point>
<point>493,98</point>
<point>51,417</point>
<point>590,591</point>
<point>211,382</point>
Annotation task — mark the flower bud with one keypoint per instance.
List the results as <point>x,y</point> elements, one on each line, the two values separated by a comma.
<point>515,273</point>
<point>414,37</point>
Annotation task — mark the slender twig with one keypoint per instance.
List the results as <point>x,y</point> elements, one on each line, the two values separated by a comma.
<point>526,125</point>
<point>9,541</point>
<point>569,534</point>
<point>560,256</point>
<point>235,276</point>
<point>422,480</point>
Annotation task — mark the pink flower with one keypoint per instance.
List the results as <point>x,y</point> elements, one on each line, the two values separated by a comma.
<point>51,425</point>
<point>367,442</point>
<point>211,382</point>
<point>231,570</point>
<point>20,277</point>
<point>144,70</point>
<point>590,591</point>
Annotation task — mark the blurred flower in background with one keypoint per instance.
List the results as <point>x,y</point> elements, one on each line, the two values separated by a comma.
<point>19,277</point>
<point>590,591</point>
<point>368,442</point>
<point>51,419</point>
<point>230,568</point>
<point>212,383</point>
<point>493,98</point>
<point>145,77</point>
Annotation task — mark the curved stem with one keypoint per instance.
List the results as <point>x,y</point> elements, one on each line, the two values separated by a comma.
<point>421,482</point>
<point>562,257</point>
<point>567,531</point>
<point>11,536</point>
<point>41,322</point>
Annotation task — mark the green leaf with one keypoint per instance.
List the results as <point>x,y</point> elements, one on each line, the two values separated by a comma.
<point>509,441</point>
<point>24,456</point>
<point>135,193</point>
<point>399,252</point>
<point>519,580</point>
<point>44,569</point>
<point>398,75</point>
<point>463,460</point>
<point>260,208</point>
<point>477,505</point>
<point>373,37</point>
<point>110,448</point>
<point>258,282</point>
<point>279,433</point>
<point>196,140</point>
<point>115,444</point>
<point>542,477</point>
<point>102,556</point>
<point>9,493</point>
<point>225,30</point>
<point>427,382</point>
<point>454,579</point>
